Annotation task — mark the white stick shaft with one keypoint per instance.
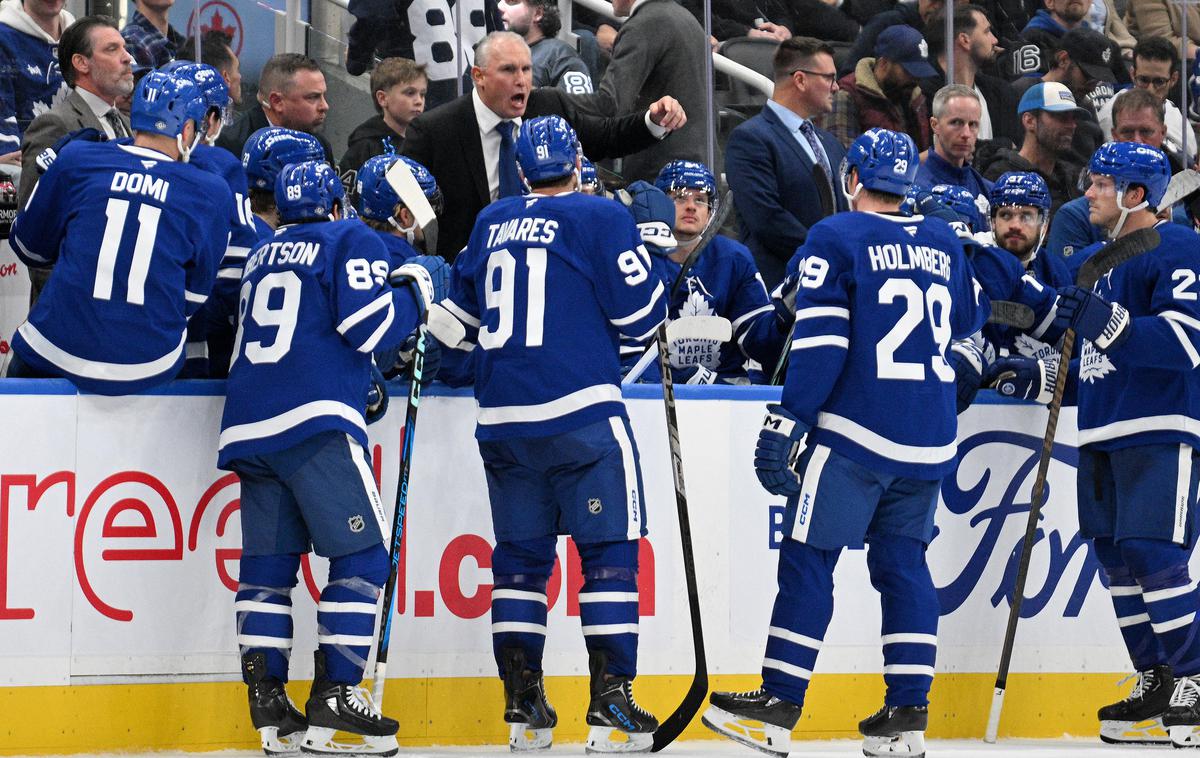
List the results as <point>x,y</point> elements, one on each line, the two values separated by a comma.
<point>377,681</point>
<point>993,724</point>
<point>639,368</point>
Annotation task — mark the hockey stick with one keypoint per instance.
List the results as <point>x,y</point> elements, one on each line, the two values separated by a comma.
<point>389,590</point>
<point>674,724</point>
<point>1008,313</point>
<point>1181,185</point>
<point>1105,260</point>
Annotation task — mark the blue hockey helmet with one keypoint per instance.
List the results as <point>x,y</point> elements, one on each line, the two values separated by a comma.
<point>963,202</point>
<point>377,199</point>
<point>547,149</point>
<point>1020,188</point>
<point>1130,163</point>
<point>163,103</point>
<point>271,148</point>
<point>589,180</point>
<point>886,161</point>
<point>308,190</point>
<point>211,84</point>
<point>681,174</point>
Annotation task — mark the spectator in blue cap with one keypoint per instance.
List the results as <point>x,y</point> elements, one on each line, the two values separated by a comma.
<point>883,92</point>
<point>1049,115</point>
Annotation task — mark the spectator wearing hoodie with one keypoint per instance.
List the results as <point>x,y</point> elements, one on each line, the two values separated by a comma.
<point>399,86</point>
<point>1048,26</point>
<point>30,80</point>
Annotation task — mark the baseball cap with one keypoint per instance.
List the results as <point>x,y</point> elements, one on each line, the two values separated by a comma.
<point>1048,96</point>
<point>905,45</point>
<point>1091,51</point>
<point>654,214</point>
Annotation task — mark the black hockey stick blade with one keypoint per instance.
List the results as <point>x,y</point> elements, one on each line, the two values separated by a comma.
<point>1008,313</point>
<point>1115,253</point>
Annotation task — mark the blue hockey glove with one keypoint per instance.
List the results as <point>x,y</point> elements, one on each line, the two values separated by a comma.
<point>968,363</point>
<point>780,442</point>
<point>784,301</point>
<point>1106,324</point>
<point>695,374</point>
<point>428,274</point>
<point>1023,378</point>
<point>48,156</point>
<point>377,396</point>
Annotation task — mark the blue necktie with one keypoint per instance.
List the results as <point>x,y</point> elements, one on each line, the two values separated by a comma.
<point>810,135</point>
<point>510,182</point>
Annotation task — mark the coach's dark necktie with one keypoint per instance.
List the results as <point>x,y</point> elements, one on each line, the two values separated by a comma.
<point>510,181</point>
<point>818,151</point>
<point>113,117</point>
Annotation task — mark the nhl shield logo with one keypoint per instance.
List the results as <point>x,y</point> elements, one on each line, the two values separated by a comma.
<point>594,505</point>
<point>356,524</point>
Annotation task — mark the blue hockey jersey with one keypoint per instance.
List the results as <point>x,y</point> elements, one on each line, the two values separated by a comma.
<point>881,297</point>
<point>31,79</point>
<point>398,248</point>
<point>315,302</point>
<point>136,251</point>
<point>1003,277</point>
<point>1148,390</point>
<point>545,287</point>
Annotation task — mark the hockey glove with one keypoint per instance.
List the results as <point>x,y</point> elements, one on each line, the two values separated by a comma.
<point>1106,324</point>
<point>429,275</point>
<point>780,442</point>
<point>48,156</point>
<point>695,374</point>
<point>968,362</point>
<point>784,301</point>
<point>1023,378</point>
<point>377,396</point>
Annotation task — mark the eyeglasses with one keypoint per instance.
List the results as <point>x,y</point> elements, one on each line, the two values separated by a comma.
<point>683,196</point>
<point>831,77</point>
<point>1152,81</point>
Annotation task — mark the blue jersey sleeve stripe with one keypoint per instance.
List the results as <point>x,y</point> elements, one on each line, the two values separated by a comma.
<point>822,312</point>
<point>561,406</point>
<point>460,314</point>
<point>828,340</point>
<point>642,312</point>
<point>1128,427</point>
<point>377,335</point>
<point>737,324</point>
<point>378,304</point>
<point>116,372</point>
<point>883,446</point>
<point>1186,343</point>
<point>288,420</point>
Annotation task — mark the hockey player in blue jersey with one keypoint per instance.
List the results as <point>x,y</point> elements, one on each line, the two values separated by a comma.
<point>315,302</point>
<point>1020,203</point>
<point>881,297</point>
<point>545,287</point>
<point>264,155</point>
<point>131,229</point>
<point>1139,411</point>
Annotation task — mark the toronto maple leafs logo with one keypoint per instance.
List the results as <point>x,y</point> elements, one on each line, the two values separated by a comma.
<point>33,69</point>
<point>1093,364</point>
<point>698,302</point>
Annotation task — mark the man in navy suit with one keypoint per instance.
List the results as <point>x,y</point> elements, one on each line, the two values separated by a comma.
<point>782,169</point>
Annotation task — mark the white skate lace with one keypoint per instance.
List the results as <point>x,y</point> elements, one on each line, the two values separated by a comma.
<point>1143,681</point>
<point>1187,692</point>
<point>360,700</point>
<point>628,689</point>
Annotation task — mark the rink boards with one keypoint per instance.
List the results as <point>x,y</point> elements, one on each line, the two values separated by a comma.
<point>118,564</point>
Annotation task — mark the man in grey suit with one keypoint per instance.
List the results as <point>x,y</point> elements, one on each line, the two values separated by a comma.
<point>94,63</point>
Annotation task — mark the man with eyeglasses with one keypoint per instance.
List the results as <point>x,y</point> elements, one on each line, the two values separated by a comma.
<point>1156,69</point>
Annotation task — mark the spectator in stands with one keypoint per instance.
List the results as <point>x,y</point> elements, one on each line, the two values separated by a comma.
<point>215,50</point>
<point>780,166</point>
<point>398,86</point>
<point>1137,117</point>
<point>776,19</point>
<point>1160,18</point>
<point>149,37</point>
<point>29,75</point>
<point>955,125</point>
<point>1156,70</point>
<point>660,51</point>
<point>1049,115</point>
<point>882,91</point>
<point>914,13</point>
<point>1048,25</point>
<point>469,144</point>
<point>291,93</point>
<point>555,63</point>
<point>974,49</point>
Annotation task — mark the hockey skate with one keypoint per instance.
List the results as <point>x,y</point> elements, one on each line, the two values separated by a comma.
<point>895,730</point>
<point>334,707</point>
<point>1182,717</point>
<point>529,714</point>
<point>279,723</point>
<point>618,724</point>
<point>755,719</point>
<point>1137,720</point>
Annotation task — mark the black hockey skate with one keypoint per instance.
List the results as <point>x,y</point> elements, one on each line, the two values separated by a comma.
<point>279,723</point>
<point>1137,720</point>
<point>613,712</point>
<point>895,730</point>
<point>1182,717</point>
<point>334,707</point>
<point>755,719</point>
<point>529,714</point>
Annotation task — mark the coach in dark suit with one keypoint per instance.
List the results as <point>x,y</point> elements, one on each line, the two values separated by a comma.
<point>782,169</point>
<point>462,141</point>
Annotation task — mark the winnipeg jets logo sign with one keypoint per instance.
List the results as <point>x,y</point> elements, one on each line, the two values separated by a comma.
<point>1093,364</point>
